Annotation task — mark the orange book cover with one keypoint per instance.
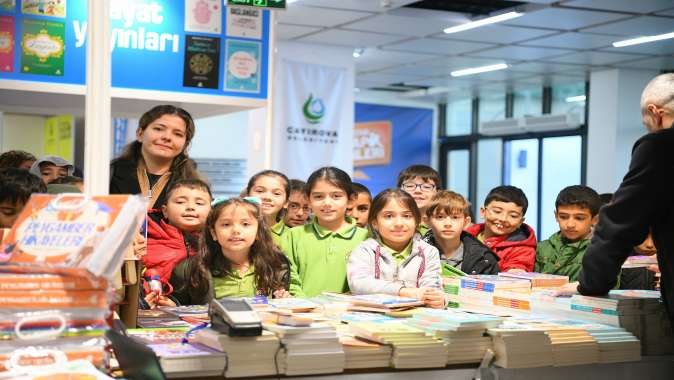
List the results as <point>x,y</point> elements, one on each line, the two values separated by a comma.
<point>54,299</point>
<point>18,281</point>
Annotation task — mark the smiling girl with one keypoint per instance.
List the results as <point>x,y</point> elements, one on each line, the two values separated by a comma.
<point>318,251</point>
<point>272,188</point>
<point>396,261</point>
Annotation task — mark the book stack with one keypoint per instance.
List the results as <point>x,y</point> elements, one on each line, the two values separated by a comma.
<point>382,303</point>
<point>464,333</point>
<point>156,336</point>
<point>539,280</point>
<point>520,345</point>
<point>192,360</point>
<point>246,356</point>
<point>412,347</point>
<point>361,354</point>
<point>640,261</point>
<point>308,350</point>
<point>476,293</point>
<point>571,345</point>
<point>615,343</point>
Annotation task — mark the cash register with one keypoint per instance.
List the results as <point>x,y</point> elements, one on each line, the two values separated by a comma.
<point>234,317</point>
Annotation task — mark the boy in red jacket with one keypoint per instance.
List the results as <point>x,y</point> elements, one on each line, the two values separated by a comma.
<point>504,230</point>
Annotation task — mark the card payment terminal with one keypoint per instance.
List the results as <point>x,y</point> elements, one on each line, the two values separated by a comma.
<point>234,317</point>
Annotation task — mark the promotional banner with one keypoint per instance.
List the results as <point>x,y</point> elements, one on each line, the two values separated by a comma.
<point>315,128</point>
<point>59,139</point>
<point>388,139</point>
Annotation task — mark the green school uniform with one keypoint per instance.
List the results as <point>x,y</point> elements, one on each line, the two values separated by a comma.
<point>422,229</point>
<point>235,285</point>
<point>318,257</point>
<point>277,231</point>
<point>399,256</point>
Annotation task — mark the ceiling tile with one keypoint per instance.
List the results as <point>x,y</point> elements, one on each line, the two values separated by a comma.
<point>377,59</point>
<point>658,63</point>
<point>287,32</point>
<point>668,12</point>
<point>594,58</point>
<point>543,67</point>
<point>519,53</point>
<point>437,46</point>
<point>356,5</point>
<point>350,38</point>
<point>407,26</point>
<point>638,26</point>
<point>664,47</point>
<point>498,34</point>
<point>438,67</point>
<point>573,40</point>
<point>388,79</point>
<point>311,16</point>
<point>564,19</point>
<point>547,80</point>
<point>641,6</point>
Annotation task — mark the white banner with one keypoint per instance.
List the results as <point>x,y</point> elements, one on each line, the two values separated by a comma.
<point>314,124</point>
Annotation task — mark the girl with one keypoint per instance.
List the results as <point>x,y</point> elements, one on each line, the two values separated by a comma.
<point>273,189</point>
<point>318,251</point>
<point>237,257</point>
<point>157,157</point>
<point>396,261</point>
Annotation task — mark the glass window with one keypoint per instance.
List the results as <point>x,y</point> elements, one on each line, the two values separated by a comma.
<point>528,102</point>
<point>492,106</point>
<point>569,98</point>
<point>458,171</point>
<point>561,168</point>
<point>459,114</point>
<point>489,165</point>
<point>521,170</point>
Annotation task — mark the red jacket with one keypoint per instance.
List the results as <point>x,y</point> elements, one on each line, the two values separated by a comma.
<point>517,250</point>
<point>166,246</point>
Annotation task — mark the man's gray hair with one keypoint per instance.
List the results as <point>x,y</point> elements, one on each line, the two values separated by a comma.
<point>660,92</point>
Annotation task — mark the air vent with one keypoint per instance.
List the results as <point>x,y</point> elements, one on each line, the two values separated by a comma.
<point>473,7</point>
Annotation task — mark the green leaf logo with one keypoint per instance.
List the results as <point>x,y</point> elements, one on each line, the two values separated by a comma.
<point>313,110</point>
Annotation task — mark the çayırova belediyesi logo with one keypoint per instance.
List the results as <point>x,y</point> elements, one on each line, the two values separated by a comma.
<point>313,109</point>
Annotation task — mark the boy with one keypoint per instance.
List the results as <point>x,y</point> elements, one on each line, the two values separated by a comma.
<point>298,211</point>
<point>16,159</point>
<point>421,182</point>
<point>448,214</point>
<point>16,186</point>
<point>504,230</point>
<point>51,167</point>
<point>576,212</point>
<point>359,206</point>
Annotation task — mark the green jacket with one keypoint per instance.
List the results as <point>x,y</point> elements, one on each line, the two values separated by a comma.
<point>554,256</point>
<point>318,257</point>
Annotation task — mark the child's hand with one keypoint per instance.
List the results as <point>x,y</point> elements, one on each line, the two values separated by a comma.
<point>154,300</point>
<point>516,270</point>
<point>653,268</point>
<point>434,298</point>
<point>567,290</point>
<point>281,293</point>
<point>139,246</point>
<point>417,293</point>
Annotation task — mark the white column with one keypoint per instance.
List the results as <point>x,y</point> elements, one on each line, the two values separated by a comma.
<point>614,124</point>
<point>97,135</point>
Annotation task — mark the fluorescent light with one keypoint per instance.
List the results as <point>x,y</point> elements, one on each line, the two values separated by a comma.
<point>643,40</point>
<point>579,98</point>
<point>482,22</point>
<point>477,70</point>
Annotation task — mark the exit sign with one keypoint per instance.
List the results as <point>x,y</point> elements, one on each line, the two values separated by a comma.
<point>275,4</point>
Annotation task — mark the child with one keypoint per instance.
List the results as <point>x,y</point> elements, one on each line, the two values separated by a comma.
<point>273,189</point>
<point>51,167</point>
<point>173,232</point>
<point>396,261</point>
<point>17,159</point>
<point>576,212</point>
<point>448,215</point>
<point>318,251</point>
<point>359,207</point>
<point>238,257</point>
<point>298,211</point>
<point>421,182</point>
<point>504,230</point>
<point>16,186</point>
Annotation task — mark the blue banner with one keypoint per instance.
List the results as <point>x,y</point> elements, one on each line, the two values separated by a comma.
<point>388,139</point>
<point>148,40</point>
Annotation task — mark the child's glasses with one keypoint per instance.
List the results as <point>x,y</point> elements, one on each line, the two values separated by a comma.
<point>411,186</point>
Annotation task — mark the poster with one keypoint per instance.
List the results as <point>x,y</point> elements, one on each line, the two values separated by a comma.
<point>203,16</point>
<point>242,66</point>
<point>244,22</point>
<point>372,143</point>
<point>55,8</point>
<point>6,43</point>
<point>7,5</point>
<point>42,47</point>
<point>59,138</point>
<point>202,62</point>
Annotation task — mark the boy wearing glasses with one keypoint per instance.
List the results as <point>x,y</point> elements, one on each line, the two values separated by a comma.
<point>504,230</point>
<point>421,182</point>
<point>576,212</point>
<point>298,211</point>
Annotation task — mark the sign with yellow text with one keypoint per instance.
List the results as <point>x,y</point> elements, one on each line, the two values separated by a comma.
<point>372,143</point>
<point>59,137</point>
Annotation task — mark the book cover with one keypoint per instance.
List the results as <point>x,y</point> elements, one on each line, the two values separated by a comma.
<point>7,5</point>
<point>6,43</point>
<point>53,8</point>
<point>296,305</point>
<point>202,62</point>
<point>244,22</point>
<point>42,47</point>
<point>242,66</point>
<point>385,301</point>
<point>203,16</point>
